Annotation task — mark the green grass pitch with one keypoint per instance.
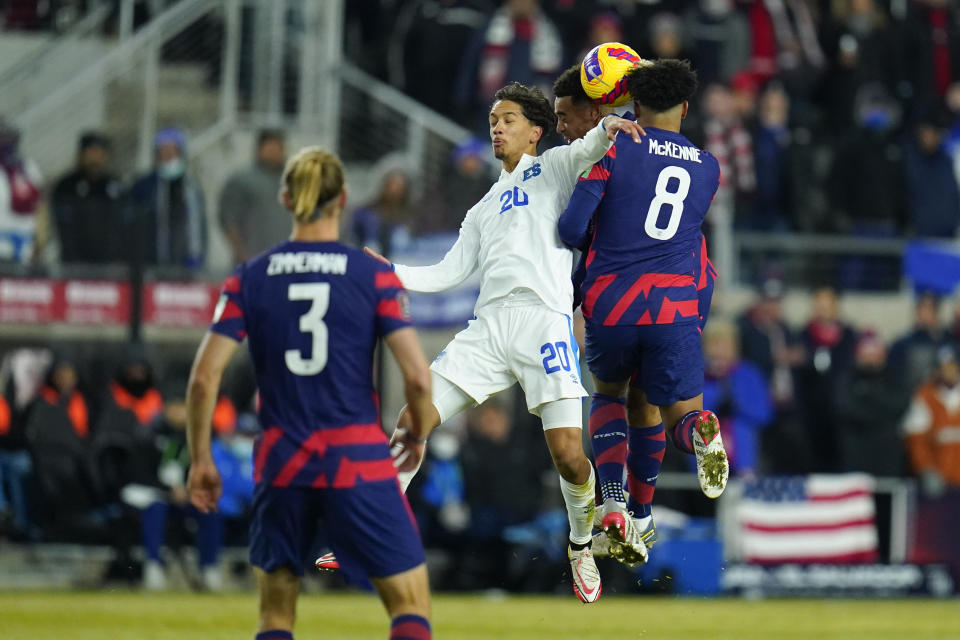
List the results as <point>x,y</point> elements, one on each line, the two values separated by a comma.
<point>185,616</point>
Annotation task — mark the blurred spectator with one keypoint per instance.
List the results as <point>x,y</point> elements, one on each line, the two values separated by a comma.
<point>721,38</point>
<point>913,357</point>
<point>132,390</point>
<point>171,497</point>
<point>666,37</point>
<point>87,206</point>
<point>735,389</point>
<point>426,43</point>
<point>466,180</point>
<point>438,499</point>
<point>21,205</point>
<point>772,146</point>
<point>767,341</point>
<point>502,483</point>
<point>167,208</point>
<point>520,44</point>
<point>951,139</point>
<point>60,389</point>
<point>933,195</point>
<point>251,215</point>
<point>867,191</point>
<point>729,141</point>
<point>829,345</point>
<point>744,89</point>
<point>603,27</point>
<point>932,49</point>
<point>21,377</point>
<point>15,467</point>
<point>930,427</point>
<point>385,224</point>
<point>863,52</point>
<point>785,43</point>
<point>869,406</point>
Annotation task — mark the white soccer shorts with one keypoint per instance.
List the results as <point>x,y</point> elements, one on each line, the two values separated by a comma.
<point>529,344</point>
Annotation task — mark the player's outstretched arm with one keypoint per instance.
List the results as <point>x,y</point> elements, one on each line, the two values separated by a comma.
<point>459,262</point>
<point>213,355</point>
<point>405,346</point>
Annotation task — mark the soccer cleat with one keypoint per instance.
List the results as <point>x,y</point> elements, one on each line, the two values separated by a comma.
<point>712,465</point>
<point>327,562</point>
<point>586,576</point>
<point>600,546</point>
<point>649,535</point>
<point>626,545</point>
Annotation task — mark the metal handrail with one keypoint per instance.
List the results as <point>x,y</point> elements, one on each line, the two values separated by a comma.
<point>423,116</point>
<point>820,243</point>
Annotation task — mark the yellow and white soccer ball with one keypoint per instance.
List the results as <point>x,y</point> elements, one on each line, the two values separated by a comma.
<point>603,73</point>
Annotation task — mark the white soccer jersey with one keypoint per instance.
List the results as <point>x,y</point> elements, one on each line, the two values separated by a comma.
<point>511,234</point>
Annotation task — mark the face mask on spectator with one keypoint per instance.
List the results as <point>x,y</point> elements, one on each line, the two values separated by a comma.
<point>171,169</point>
<point>876,119</point>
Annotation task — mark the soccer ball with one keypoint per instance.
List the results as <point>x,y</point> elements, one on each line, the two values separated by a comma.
<point>603,73</point>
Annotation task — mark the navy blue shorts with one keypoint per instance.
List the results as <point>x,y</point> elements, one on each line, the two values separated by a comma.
<point>665,360</point>
<point>370,527</point>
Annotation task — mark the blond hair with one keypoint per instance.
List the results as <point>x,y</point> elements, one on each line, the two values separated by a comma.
<point>312,179</point>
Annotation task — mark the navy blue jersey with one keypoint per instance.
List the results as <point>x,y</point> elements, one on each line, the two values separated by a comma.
<point>645,259</point>
<point>312,313</point>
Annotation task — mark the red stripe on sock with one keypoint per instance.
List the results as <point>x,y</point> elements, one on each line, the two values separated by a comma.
<point>602,416</point>
<point>617,453</point>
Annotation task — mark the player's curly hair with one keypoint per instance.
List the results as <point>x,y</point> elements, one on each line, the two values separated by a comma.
<point>568,85</point>
<point>663,84</point>
<point>534,105</point>
<point>312,179</point>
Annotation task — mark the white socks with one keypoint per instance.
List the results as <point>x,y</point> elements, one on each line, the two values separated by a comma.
<point>579,499</point>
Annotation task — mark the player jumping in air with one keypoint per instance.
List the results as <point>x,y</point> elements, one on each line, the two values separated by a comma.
<point>522,330</point>
<point>313,310</point>
<point>645,264</point>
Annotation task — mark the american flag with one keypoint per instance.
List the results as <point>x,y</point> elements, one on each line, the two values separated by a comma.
<point>808,519</point>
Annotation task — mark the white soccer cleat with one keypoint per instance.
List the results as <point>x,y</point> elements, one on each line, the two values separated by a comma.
<point>626,544</point>
<point>586,576</point>
<point>600,546</point>
<point>327,562</point>
<point>713,468</point>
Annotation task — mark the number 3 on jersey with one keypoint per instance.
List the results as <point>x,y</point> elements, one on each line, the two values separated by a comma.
<point>662,196</point>
<point>310,322</point>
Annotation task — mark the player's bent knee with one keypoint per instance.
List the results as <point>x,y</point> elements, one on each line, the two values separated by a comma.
<point>407,592</point>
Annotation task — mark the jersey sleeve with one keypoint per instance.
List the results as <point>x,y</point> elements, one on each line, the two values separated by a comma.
<point>393,305</point>
<point>575,219</point>
<point>455,266</point>
<point>570,160</point>
<point>228,318</point>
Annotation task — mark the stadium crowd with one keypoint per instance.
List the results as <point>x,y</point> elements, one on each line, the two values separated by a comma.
<point>831,116</point>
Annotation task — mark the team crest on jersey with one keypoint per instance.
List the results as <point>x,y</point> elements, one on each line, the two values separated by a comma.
<point>531,172</point>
